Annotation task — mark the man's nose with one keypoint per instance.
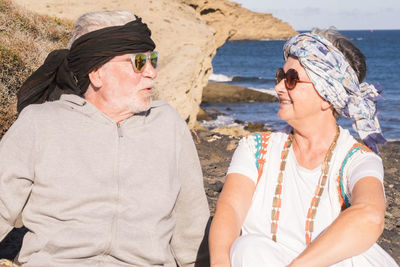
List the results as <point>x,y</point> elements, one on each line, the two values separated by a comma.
<point>149,71</point>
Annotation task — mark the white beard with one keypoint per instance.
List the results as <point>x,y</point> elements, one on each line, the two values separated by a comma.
<point>138,105</point>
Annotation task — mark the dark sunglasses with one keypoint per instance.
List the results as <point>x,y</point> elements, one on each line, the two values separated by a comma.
<point>139,60</point>
<point>291,78</point>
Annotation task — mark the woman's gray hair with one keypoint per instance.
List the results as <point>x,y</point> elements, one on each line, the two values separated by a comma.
<point>92,21</point>
<point>353,55</point>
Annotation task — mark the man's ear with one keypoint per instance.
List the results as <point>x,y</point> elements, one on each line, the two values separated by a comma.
<point>95,78</point>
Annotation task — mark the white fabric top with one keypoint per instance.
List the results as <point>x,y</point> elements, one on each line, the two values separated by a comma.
<point>298,187</point>
<point>365,165</point>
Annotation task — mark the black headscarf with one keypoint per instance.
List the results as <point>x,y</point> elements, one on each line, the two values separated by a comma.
<point>66,71</point>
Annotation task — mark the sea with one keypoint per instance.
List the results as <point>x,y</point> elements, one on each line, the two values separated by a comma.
<point>253,64</point>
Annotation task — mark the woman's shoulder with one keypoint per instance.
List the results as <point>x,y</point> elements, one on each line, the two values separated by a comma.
<point>268,136</point>
<point>351,147</point>
<point>261,144</point>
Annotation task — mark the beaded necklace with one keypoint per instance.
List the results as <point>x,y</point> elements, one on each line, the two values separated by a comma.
<point>312,211</point>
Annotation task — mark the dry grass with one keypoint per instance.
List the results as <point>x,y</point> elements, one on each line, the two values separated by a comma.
<point>25,41</point>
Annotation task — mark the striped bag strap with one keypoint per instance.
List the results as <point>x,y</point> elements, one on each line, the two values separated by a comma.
<point>343,198</point>
<point>261,144</point>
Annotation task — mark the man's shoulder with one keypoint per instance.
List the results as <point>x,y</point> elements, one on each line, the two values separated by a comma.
<point>44,113</point>
<point>46,108</point>
<point>37,108</point>
<point>164,108</point>
<point>160,104</point>
<point>164,115</point>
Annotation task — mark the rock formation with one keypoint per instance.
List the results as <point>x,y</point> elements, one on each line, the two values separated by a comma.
<point>185,43</point>
<point>233,22</point>
<point>184,38</point>
<point>229,93</point>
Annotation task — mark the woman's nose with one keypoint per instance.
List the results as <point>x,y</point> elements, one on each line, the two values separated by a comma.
<point>280,87</point>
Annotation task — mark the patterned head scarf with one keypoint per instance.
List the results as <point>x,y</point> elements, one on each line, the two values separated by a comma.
<point>336,82</point>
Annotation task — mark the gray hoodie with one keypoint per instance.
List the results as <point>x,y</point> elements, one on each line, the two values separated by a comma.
<point>96,193</point>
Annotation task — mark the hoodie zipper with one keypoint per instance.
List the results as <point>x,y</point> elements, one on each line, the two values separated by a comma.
<point>116,178</point>
<point>119,130</point>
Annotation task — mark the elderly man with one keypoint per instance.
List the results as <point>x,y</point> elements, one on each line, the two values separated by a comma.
<point>104,176</point>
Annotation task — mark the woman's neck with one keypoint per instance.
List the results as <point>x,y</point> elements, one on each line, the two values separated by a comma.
<point>312,142</point>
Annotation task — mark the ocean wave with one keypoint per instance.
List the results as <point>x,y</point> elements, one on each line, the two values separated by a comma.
<point>222,120</point>
<point>225,78</point>
<point>271,40</point>
<point>220,78</point>
<point>252,79</point>
<point>270,91</point>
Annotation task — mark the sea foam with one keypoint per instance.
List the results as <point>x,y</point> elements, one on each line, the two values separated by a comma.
<point>220,78</point>
<point>270,91</point>
<point>222,120</point>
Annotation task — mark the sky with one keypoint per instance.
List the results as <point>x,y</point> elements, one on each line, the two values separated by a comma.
<point>343,14</point>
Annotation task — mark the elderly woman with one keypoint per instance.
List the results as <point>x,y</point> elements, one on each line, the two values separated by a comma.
<point>310,194</point>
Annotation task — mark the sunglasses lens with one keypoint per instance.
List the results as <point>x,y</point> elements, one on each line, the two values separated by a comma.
<point>291,78</point>
<point>140,62</point>
<point>154,59</point>
<point>280,74</point>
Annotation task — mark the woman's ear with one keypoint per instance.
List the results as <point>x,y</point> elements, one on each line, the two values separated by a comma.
<point>325,105</point>
<point>95,78</point>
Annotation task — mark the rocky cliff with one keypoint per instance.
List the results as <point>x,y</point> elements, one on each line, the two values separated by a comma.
<point>233,22</point>
<point>187,34</point>
<point>185,43</point>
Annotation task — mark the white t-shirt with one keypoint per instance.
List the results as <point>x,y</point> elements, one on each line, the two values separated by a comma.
<point>365,165</point>
<point>298,190</point>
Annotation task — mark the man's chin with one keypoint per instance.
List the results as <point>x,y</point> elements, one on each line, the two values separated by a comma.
<point>143,106</point>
